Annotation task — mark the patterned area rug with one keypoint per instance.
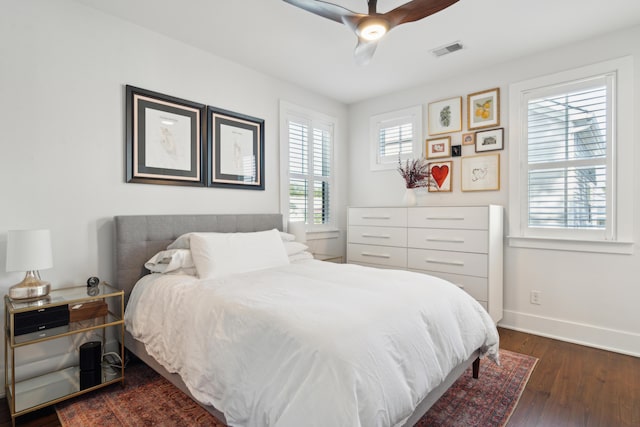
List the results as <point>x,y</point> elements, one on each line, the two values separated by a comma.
<point>150,400</point>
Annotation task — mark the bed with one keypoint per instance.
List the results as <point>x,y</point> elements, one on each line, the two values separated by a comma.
<point>138,238</point>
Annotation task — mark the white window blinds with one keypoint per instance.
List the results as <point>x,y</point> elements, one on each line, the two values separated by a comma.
<point>310,146</point>
<point>395,136</point>
<point>395,141</point>
<point>568,134</point>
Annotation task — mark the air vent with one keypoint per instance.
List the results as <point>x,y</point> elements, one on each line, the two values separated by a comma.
<point>445,50</point>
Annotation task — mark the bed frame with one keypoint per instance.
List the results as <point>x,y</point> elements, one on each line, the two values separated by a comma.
<point>140,237</point>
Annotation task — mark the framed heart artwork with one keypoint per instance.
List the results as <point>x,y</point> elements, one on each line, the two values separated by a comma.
<point>440,173</point>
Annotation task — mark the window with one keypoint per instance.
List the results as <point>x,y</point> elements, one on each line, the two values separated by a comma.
<point>395,137</point>
<point>307,151</point>
<point>567,131</point>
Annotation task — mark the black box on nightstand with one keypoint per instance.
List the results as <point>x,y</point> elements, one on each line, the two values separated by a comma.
<point>41,319</point>
<point>90,364</point>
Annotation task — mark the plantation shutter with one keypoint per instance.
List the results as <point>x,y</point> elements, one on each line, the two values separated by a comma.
<point>395,140</point>
<point>309,171</point>
<point>568,130</point>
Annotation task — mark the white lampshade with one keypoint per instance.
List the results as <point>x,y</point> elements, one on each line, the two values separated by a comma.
<point>299,230</point>
<point>29,250</point>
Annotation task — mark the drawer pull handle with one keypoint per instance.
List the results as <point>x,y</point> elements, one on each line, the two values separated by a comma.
<point>439,218</point>
<point>376,236</point>
<point>376,217</point>
<point>375,255</point>
<point>435,261</point>
<point>437,239</point>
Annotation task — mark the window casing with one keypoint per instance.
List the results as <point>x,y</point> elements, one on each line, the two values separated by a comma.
<point>395,136</point>
<point>568,145</point>
<point>307,193</point>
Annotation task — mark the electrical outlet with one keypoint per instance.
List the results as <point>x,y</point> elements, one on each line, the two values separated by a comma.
<point>534,297</point>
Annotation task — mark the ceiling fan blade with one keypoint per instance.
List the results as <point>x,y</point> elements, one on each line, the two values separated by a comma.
<point>329,11</point>
<point>416,10</point>
<point>364,51</point>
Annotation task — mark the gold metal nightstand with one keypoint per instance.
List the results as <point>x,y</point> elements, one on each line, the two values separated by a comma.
<point>26,393</point>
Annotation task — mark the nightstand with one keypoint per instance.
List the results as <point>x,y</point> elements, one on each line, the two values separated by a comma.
<point>329,258</point>
<point>45,320</point>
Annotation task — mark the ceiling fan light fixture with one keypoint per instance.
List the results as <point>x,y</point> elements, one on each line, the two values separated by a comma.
<point>372,29</point>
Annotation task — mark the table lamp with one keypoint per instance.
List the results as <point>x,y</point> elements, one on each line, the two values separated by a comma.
<point>29,251</point>
<point>299,230</point>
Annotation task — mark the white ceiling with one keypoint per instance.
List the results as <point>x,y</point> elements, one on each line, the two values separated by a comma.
<point>292,44</point>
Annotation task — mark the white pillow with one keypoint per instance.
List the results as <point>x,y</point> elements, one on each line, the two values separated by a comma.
<point>182,242</point>
<point>176,261</point>
<point>293,248</point>
<point>300,256</point>
<point>222,254</point>
<point>287,237</point>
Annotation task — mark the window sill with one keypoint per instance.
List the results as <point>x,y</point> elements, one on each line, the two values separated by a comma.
<point>598,246</point>
<point>329,233</point>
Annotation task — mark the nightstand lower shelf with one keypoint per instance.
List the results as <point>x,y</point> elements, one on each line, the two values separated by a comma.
<point>52,387</point>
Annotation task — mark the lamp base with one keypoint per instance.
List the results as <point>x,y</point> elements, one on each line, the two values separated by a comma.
<point>31,288</point>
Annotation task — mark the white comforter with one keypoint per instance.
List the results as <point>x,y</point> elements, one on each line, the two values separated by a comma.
<point>313,343</point>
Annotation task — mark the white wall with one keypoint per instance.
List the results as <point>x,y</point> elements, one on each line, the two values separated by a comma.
<point>586,298</point>
<point>63,68</point>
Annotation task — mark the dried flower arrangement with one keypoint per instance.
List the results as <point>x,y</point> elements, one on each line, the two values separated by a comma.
<point>415,172</point>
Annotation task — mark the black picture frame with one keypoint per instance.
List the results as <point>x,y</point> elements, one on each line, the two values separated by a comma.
<point>164,139</point>
<point>235,146</point>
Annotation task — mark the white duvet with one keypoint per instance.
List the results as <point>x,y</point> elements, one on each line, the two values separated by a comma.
<point>310,344</point>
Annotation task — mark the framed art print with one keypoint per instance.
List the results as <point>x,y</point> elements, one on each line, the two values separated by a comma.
<point>480,173</point>
<point>440,176</point>
<point>468,138</point>
<point>445,116</point>
<point>438,148</point>
<point>489,140</point>
<point>164,139</point>
<point>483,109</point>
<point>235,143</point>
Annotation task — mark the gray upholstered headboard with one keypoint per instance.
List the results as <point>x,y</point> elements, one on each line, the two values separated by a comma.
<point>140,237</point>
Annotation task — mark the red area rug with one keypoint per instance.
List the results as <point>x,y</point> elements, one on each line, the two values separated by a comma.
<point>150,400</point>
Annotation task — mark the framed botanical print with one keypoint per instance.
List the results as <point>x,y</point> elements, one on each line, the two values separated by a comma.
<point>483,109</point>
<point>440,176</point>
<point>235,143</point>
<point>438,148</point>
<point>164,139</point>
<point>445,116</point>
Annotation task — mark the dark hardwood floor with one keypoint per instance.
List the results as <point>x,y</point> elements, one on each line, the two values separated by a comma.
<point>571,385</point>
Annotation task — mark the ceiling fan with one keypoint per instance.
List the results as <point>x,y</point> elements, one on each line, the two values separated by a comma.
<point>370,28</point>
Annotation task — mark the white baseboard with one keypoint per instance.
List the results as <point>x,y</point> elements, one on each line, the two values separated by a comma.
<point>578,333</point>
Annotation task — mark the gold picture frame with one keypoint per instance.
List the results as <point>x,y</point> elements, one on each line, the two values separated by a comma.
<point>438,148</point>
<point>483,109</point>
<point>445,116</point>
<point>441,174</point>
<point>480,173</point>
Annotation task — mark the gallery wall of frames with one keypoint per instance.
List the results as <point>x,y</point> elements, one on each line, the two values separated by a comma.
<point>481,171</point>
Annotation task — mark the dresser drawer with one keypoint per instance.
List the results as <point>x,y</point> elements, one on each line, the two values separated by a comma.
<point>378,217</point>
<point>473,218</point>
<point>448,262</point>
<point>383,255</point>
<point>384,236</point>
<point>477,287</point>
<point>448,239</point>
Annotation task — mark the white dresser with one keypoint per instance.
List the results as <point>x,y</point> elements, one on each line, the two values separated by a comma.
<point>462,244</point>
